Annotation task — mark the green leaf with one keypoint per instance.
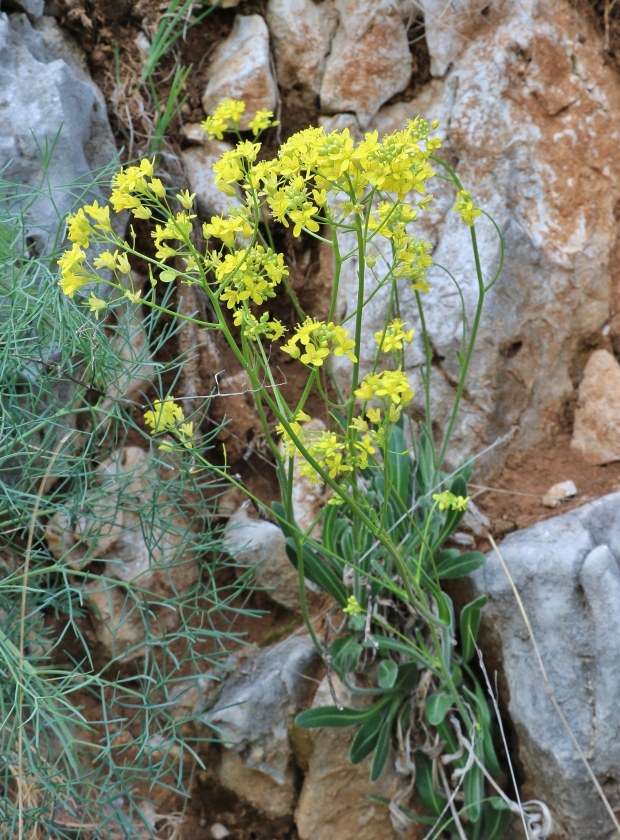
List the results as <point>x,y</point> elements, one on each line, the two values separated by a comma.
<point>330,519</point>
<point>316,570</point>
<point>426,473</point>
<point>414,653</point>
<point>387,673</point>
<point>445,611</point>
<point>346,544</point>
<point>345,653</point>
<point>332,716</point>
<point>465,563</point>
<point>424,784</point>
<point>398,466</point>
<point>447,557</point>
<point>496,820</point>
<point>382,748</point>
<point>437,707</point>
<point>407,676</point>
<point>446,733</point>
<point>478,700</point>
<point>470,622</point>
<point>365,739</point>
<point>473,790</point>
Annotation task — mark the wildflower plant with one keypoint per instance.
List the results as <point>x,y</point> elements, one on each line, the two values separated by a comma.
<point>379,544</point>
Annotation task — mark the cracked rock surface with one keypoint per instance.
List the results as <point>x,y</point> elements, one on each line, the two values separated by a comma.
<point>567,571</point>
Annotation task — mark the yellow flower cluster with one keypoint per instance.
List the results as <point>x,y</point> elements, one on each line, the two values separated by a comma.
<point>353,606</point>
<point>249,274</point>
<point>411,256</point>
<point>448,501</point>
<point>227,117</point>
<point>253,327</point>
<point>387,385</point>
<point>236,226</point>
<point>318,339</point>
<point>466,208</point>
<point>331,451</point>
<point>136,189</point>
<point>394,337</point>
<point>135,184</point>
<point>168,416</point>
<point>80,228</point>
<point>233,167</point>
<point>297,203</point>
<point>397,164</point>
<point>178,229</point>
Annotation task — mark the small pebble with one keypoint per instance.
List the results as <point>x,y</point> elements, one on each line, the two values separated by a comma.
<point>219,831</point>
<point>559,493</point>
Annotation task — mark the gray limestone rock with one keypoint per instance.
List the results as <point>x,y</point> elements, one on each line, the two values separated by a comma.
<point>596,432</point>
<point>301,32</point>
<point>33,8</point>
<point>49,108</point>
<point>567,571</point>
<point>259,544</point>
<point>369,60</point>
<point>241,69</point>
<point>521,108</point>
<point>254,713</point>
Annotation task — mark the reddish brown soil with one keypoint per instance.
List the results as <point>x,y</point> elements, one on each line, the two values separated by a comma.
<point>513,498</point>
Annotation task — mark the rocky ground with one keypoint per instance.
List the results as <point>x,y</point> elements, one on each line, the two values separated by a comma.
<point>510,489</point>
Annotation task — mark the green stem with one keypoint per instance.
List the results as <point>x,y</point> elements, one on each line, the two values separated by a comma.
<point>465,362</point>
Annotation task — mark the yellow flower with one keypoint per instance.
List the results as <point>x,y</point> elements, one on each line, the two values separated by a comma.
<point>141,212</point>
<point>393,337</point>
<point>186,199</point>
<point>100,215</point>
<point>228,172</point>
<point>448,501</point>
<point>158,188</point>
<point>353,607</point>
<point>319,339</point>
<point>165,416</point>
<point>79,229</point>
<point>226,116</point>
<point>262,120</point>
<point>387,384</point>
<point>303,218</point>
<point>122,263</point>
<point>106,259</point>
<point>314,355</point>
<point>186,433</point>
<point>466,208</point>
<point>96,304</point>
<point>359,424</point>
<point>146,167</point>
<point>227,229</point>
<point>72,278</point>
